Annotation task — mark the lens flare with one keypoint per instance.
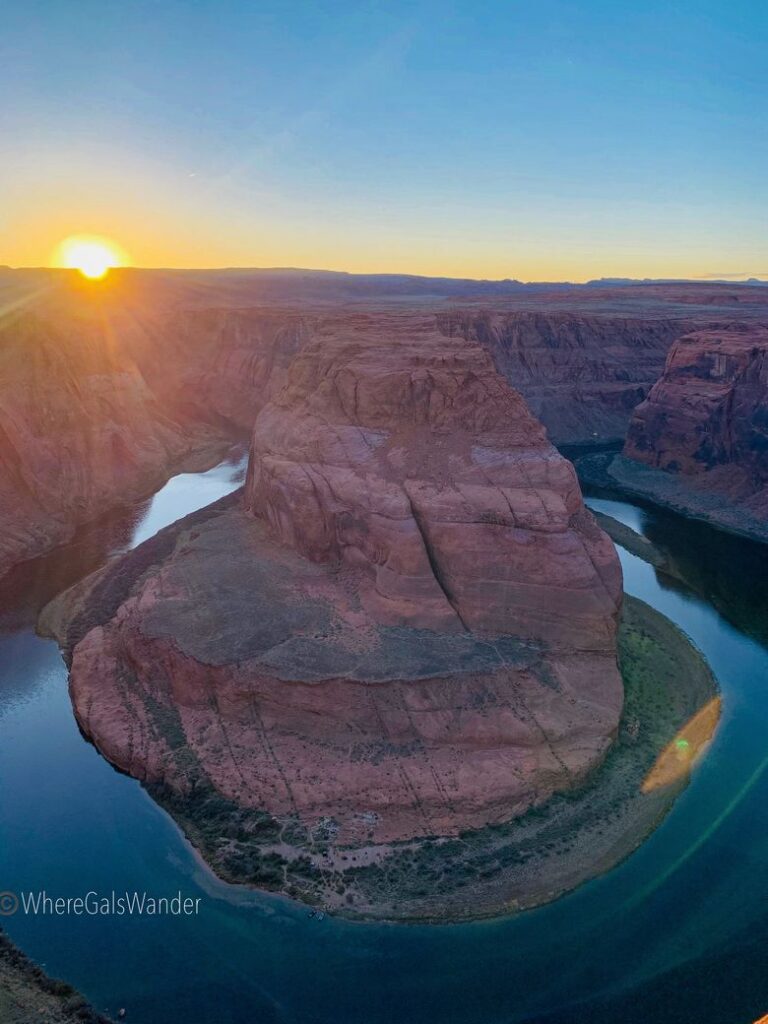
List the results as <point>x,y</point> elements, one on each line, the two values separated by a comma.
<point>91,255</point>
<point>678,757</point>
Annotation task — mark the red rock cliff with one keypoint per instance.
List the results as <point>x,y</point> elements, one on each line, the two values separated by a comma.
<point>407,626</point>
<point>581,375</point>
<point>98,411</point>
<point>403,452</point>
<point>707,417</point>
<point>80,432</point>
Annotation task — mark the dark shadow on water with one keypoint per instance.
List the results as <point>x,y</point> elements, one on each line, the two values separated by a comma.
<point>728,571</point>
<point>29,586</point>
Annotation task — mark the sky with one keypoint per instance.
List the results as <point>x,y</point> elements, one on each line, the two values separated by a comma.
<point>547,140</point>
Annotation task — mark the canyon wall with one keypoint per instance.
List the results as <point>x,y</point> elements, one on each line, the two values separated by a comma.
<point>699,443</point>
<point>154,372</point>
<point>706,420</point>
<point>582,376</point>
<point>217,365</point>
<point>709,409</point>
<point>97,412</point>
<point>80,432</point>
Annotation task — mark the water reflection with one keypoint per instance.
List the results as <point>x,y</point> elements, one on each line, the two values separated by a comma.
<point>28,587</point>
<point>727,571</point>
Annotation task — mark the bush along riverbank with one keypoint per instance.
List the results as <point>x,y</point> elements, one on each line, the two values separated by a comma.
<point>501,868</point>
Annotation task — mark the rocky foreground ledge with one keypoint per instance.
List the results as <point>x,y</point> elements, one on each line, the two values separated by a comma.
<point>28,995</point>
<point>350,681</point>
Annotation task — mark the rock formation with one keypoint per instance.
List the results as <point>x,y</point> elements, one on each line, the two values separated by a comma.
<point>705,425</point>
<point>98,411</point>
<point>214,366</point>
<point>582,376</point>
<point>710,407</point>
<point>159,366</point>
<point>404,627</point>
<point>80,433</point>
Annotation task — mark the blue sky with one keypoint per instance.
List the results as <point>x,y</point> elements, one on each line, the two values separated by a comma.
<point>536,140</point>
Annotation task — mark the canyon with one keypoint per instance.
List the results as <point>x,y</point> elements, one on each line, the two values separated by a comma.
<point>380,673</point>
<point>81,433</point>
<point>105,393</point>
<point>582,376</point>
<point>400,635</point>
<point>99,407</point>
<point>699,442</point>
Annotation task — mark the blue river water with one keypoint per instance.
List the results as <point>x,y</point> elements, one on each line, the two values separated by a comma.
<point>677,933</point>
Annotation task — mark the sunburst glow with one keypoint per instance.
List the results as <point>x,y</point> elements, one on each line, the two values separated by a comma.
<point>91,255</point>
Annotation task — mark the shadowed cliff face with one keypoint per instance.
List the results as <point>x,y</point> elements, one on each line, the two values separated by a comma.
<point>405,628</point>
<point>98,411</point>
<point>215,366</point>
<point>707,417</point>
<point>581,375</point>
<point>80,432</point>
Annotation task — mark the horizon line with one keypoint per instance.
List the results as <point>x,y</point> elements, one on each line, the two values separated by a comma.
<point>727,279</point>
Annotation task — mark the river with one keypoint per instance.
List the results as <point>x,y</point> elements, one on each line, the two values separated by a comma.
<point>677,933</point>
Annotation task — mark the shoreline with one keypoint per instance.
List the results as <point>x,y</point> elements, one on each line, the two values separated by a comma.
<point>620,477</point>
<point>514,866</point>
<point>201,458</point>
<point>27,993</point>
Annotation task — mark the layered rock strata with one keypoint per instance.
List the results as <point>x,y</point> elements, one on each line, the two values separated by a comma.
<point>582,376</point>
<point>98,411</point>
<point>404,627</point>
<point>703,430</point>
<point>80,432</point>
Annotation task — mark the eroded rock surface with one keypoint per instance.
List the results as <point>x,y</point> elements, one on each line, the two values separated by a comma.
<point>582,376</point>
<point>80,433</point>
<point>158,364</point>
<point>404,627</point>
<point>705,425</point>
<point>97,411</point>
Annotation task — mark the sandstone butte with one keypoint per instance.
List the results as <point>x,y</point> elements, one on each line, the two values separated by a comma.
<point>705,426</point>
<point>403,626</point>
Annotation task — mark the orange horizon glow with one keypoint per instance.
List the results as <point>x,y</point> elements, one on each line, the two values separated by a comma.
<point>169,231</point>
<point>161,238</point>
<point>92,255</point>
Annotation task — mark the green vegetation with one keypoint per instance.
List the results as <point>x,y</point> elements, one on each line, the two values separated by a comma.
<point>501,867</point>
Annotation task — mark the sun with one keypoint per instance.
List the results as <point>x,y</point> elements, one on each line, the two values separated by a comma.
<point>92,255</point>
